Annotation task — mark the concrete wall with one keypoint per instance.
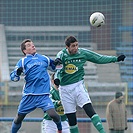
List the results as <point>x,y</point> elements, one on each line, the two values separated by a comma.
<point>4,66</point>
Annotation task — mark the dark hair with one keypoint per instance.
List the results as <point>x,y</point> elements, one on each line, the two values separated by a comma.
<point>69,40</point>
<point>118,94</point>
<point>23,47</point>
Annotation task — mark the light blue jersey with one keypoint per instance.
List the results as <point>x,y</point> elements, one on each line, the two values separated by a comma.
<point>35,72</point>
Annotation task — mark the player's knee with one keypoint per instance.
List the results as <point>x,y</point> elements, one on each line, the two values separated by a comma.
<point>19,119</point>
<point>72,119</point>
<point>89,109</point>
<point>54,116</point>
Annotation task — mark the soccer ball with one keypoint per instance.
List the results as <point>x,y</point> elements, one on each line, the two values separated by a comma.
<point>97,19</point>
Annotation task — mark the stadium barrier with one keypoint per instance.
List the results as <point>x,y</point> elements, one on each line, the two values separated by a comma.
<point>38,119</point>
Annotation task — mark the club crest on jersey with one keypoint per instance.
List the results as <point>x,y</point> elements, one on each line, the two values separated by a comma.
<point>70,69</point>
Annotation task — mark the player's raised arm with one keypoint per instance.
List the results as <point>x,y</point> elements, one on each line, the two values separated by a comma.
<point>59,66</point>
<point>15,74</point>
<point>53,64</point>
<point>102,59</point>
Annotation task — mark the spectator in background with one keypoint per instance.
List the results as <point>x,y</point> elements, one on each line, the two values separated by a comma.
<point>116,114</point>
<point>48,126</point>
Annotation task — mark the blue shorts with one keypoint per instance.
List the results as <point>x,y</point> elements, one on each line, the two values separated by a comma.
<point>31,102</point>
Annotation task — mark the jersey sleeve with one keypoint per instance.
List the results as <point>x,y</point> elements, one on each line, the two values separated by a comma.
<point>60,54</point>
<point>58,67</point>
<point>51,65</point>
<point>98,58</point>
<point>13,76</point>
<point>55,101</point>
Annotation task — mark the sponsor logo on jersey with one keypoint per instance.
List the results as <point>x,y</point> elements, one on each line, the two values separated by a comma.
<point>71,68</point>
<point>60,110</point>
<point>35,64</point>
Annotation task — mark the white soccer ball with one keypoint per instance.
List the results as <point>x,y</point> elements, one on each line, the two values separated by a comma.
<point>97,19</point>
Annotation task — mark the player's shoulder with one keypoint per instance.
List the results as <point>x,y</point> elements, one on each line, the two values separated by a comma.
<point>84,50</point>
<point>42,56</point>
<point>61,53</point>
<point>52,90</point>
<point>22,59</point>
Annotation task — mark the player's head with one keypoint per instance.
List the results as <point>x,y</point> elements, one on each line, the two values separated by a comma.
<point>71,44</point>
<point>27,47</point>
<point>52,81</point>
<point>119,96</point>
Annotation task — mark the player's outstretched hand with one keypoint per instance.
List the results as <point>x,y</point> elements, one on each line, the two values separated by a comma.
<point>126,128</point>
<point>57,61</point>
<point>111,129</point>
<point>121,58</point>
<point>19,71</point>
<point>57,82</point>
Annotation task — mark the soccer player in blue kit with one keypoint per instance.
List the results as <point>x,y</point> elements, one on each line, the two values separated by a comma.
<point>37,84</point>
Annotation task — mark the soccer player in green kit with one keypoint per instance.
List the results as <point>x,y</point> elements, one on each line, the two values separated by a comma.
<point>71,79</point>
<point>48,125</point>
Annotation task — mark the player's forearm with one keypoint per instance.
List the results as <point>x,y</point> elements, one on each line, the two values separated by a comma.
<point>57,73</point>
<point>14,77</point>
<point>106,59</point>
<point>100,59</point>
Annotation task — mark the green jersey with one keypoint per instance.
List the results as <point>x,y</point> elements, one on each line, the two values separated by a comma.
<point>73,65</point>
<point>54,94</point>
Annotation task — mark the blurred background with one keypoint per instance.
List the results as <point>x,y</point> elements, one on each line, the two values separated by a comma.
<point>48,23</point>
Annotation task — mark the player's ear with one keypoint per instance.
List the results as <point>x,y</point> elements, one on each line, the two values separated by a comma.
<point>67,47</point>
<point>24,52</point>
